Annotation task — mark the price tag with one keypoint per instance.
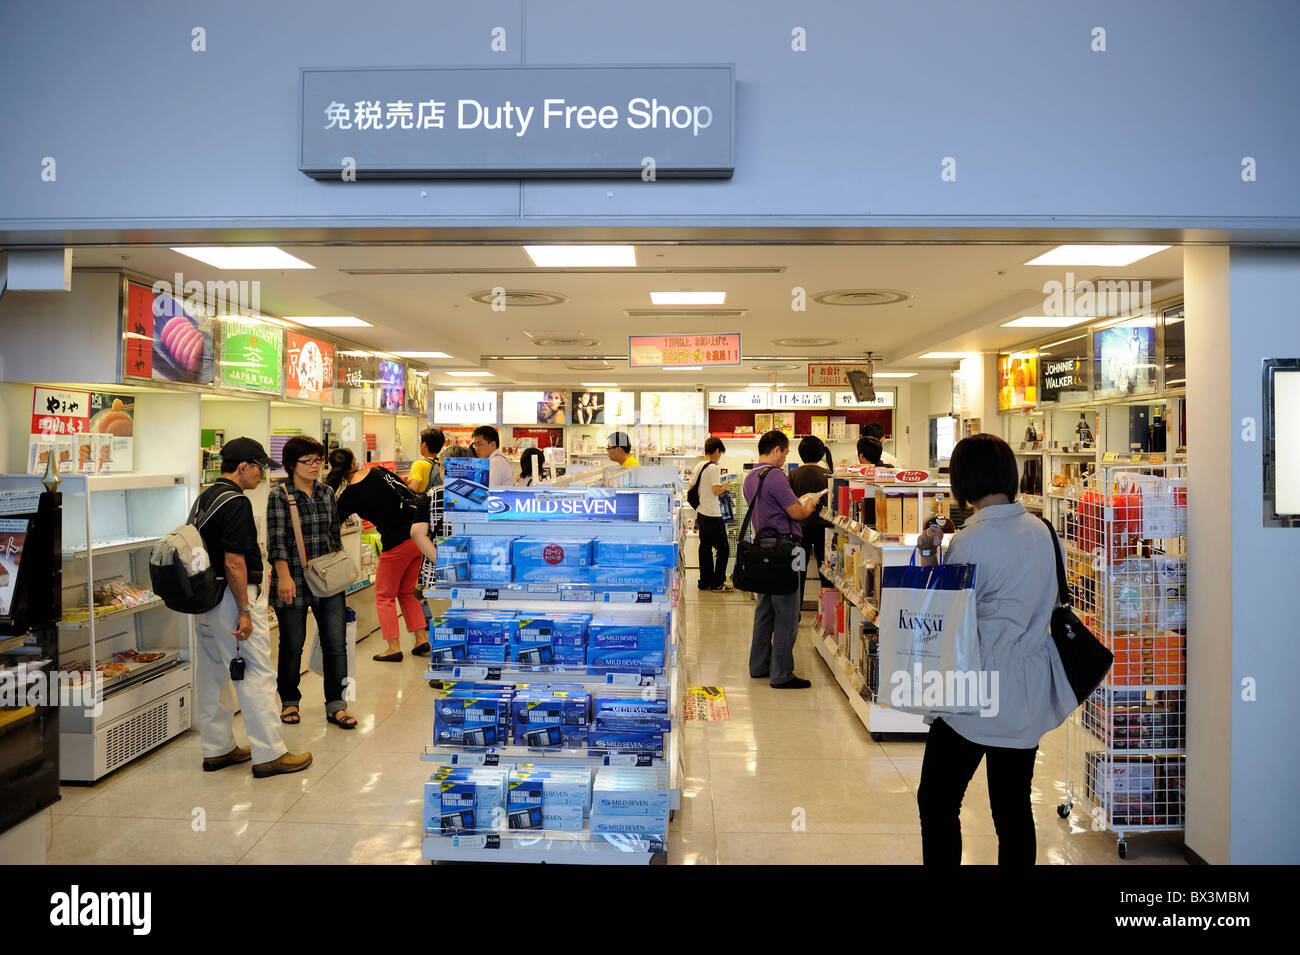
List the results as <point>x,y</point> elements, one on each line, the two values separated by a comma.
<point>656,845</point>
<point>491,594</point>
<point>476,842</point>
<point>472,759</point>
<point>467,593</point>
<point>577,595</point>
<point>470,673</point>
<point>621,759</point>
<point>620,597</point>
<point>543,588</point>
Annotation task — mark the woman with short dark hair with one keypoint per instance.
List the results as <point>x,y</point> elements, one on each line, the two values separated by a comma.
<point>290,597</point>
<point>530,467</point>
<point>1016,592</point>
<point>814,476</point>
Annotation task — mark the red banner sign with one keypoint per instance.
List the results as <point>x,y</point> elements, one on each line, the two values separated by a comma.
<point>309,368</point>
<point>912,477</point>
<point>677,351</point>
<point>56,412</point>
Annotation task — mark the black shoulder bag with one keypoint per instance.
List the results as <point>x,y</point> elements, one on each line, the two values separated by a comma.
<point>1085,658</point>
<point>693,494</point>
<point>767,564</point>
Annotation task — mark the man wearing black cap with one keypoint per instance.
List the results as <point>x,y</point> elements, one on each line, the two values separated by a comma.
<point>236,629</point>
<point>620,450</point>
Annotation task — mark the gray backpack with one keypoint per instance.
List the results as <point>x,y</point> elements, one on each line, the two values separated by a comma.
<point>180,571</point>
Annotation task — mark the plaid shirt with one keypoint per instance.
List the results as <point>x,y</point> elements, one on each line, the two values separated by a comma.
<point>320,535</point>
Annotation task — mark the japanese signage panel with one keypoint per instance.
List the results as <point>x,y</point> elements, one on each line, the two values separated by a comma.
<point>358,375</point>
<point>167,339</point>
<point>252,355</point>
<point>748,400</point>
<point>517,121</point>
<point>87,432</point>
<point>310,368</point>
<point>833,375</point>
<point>669,351</point>
<point>465,407</point>
<point>845,399</point>
<point>801,399</point>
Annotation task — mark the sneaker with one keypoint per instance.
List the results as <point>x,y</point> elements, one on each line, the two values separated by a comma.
<point>240,754</point>
<point>794,683</point>
<point>288,763</point>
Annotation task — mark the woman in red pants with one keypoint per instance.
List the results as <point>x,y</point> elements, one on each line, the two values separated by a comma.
<point>382,498</point>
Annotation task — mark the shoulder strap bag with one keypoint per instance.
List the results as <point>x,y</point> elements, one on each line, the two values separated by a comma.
<point>693,495</point>
<point>772,563</point>
<point>328,574</point>
<point>1085,659</point>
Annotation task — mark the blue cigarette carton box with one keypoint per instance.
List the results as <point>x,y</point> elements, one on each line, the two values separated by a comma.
<point>612,575</point>
<point>605,741</point>
<point>553,736</point>
<point>453,549</point>
<point>489,573</point>
<point>631,715</point>
<point>491,628</point>
<point>489,550</point>
<point>625,791</point>
<point>629,825</point>
<point>607,634</point>
<point>570,628</point>
<point>551,551</point>
<point>545,573</point>
<point>465,485</point>
<point>624,661</point>
<point>636,553</point>
<point>551,708</point>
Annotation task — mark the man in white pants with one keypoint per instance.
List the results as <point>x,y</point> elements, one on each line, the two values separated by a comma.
<point>236,629</point>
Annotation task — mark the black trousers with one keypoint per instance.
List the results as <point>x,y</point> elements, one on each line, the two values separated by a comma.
<point>713,540</point>
<point>950,762</point>
<point>814,544</point>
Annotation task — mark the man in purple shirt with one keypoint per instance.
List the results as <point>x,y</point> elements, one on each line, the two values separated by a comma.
<point>776,616</point>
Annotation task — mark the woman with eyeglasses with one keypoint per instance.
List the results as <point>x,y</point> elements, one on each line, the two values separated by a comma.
<point>290,597</point>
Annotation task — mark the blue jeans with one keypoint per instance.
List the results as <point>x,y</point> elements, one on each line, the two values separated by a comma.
<point>329,613</point>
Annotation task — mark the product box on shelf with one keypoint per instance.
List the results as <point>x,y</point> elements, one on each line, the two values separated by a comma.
<point>608,741</point>
<point>495,628</point>
<point>627,791</point>
<point>544,573</point>
<point>551,736</point>
<point>489,550</point>
<point>622,715</point>
<point>602,824</point>
<point>472,717</point>
<point>1130,787</point>
<point>548,799</point>
<point>465,484</point>
<point>647,578</point>
<point>551,707</point>
<point>551,551</point>
<point>454,549</point>
<point>611,633</point>
<point>624,661</point>
<point>488,573</point>
<point>636,553</point>
<point>448,641</point>
<point>463,798</point>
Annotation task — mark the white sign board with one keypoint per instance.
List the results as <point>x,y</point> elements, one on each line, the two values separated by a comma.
<point>620,407</point>
<point>801,399</point>
<point>672,407</point>
<point>520,407</point>
<point>845,399</point>
<point>465,407</point>
<point>748,400</point>
<point>832,374</point>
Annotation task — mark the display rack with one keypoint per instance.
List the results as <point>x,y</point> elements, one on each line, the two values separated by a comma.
<point>576,847</point>
<point>1126,561</point>
<point>109,525</point>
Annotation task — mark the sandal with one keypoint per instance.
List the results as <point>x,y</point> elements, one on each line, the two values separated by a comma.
<point>345,722</point>
<point>286,716</point>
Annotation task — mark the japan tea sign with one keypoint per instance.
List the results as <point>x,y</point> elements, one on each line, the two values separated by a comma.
<point>682,351</point>
<point>517,122</point>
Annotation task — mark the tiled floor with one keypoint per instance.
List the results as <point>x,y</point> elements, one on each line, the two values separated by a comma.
<point>792,778</point>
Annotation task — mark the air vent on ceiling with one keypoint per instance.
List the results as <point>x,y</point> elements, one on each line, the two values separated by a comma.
<point>670,313</point>
<point>590,366</point>
<point>805,342</point>
<point>861,296</point>
<point>518,297</point>
<point>559,338</point>
<point>565,342</point>
<point>776,366</point>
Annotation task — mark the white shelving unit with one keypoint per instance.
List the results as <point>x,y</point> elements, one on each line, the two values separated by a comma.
<point>548,845</point>
<point>109,525</point>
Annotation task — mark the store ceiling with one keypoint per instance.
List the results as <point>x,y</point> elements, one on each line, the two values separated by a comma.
<point>418,298</point>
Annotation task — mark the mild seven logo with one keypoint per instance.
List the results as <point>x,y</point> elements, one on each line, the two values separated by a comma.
<point>927,626</point>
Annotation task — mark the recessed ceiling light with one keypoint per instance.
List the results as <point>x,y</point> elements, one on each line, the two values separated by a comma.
<point>894,374</point>
<point>1044,321</point>
<point>685,368</point>
<point>805,342</point>
<point>1100,255</point>
<point>329,321</point>
<point>421,354</point>
<point>470,374</point>
<point>950,354</point>
<point>243,257</point>
<point>600,384</point>
<point>582,256</point>
<point>688,298</point>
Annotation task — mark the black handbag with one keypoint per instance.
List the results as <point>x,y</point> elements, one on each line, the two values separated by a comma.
<point>1085,659</point>
<point>768,564</point>
<point>693,493</point>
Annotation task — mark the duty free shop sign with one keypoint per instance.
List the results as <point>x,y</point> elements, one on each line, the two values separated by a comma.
<point>518,122</point>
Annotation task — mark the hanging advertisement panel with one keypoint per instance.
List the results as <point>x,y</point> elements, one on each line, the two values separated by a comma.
<point>166,338</point>
<point>309,368</point>
<point>252,355</point>
<point>1017,380</point>
<point>1124,359</point>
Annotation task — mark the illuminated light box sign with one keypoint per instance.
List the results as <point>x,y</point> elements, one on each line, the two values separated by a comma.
<point>672,407</point>
<point>417,390</point>
<point>252,355</point>
<point>593,504</point>
<point>801,399</point>
<point>1124,359</point>
<point>309,371</point>
<point>167,339</point>
<point>357,376</point>
<point>845,399</point>
<point>392,385</point>
<point>678,351</point>
<point>534,407</point>
<point>465,407</point>
<point>1063,371</point>
<point>740,399</point>
<point>1017,381</point>
<point>517,121</point>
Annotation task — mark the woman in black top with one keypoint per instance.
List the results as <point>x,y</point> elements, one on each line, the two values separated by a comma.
<point>382,498</point>
<point>812,476</point>
<point>319,520</point>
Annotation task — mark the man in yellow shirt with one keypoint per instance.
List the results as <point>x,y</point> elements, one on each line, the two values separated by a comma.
<point>620,450</point>
<point>431,442</point>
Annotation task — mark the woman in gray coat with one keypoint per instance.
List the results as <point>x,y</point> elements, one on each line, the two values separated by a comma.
<point>1016,590</point>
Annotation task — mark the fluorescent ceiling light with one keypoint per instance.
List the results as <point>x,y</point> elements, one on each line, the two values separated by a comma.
<point>1100,255</point>
<point>582,256</point>
<point>243,257</point>
<point>421,354</point>
<point>600,384</point>
<point>950,354</point>
<point>1044,321</point>
<point>457,384</point>
<point>686,368</point>
<point>470,374</point>
<point>329,321</point>
<point>894,374</point>
<point>764,384</point>
<point>688,298</point>
<point>1063,341</point>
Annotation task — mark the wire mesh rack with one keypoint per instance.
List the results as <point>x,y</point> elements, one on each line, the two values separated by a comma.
<point>1126,561</point>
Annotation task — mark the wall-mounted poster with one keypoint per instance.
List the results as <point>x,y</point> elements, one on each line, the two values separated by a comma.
<point>1017,380</point>
<point>620,407</point>
<point>252,355</point>
<point>672,407</point>
<point>552,409</point>
<point>356,379</point>
<point>309,371</point>
<point>417,390</point>
<point>167,339</point>
<point>534,407</point>
<point>392,385</point>
<point>88,432</point>
<point>1124,359</point>
<point>588,407</point>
